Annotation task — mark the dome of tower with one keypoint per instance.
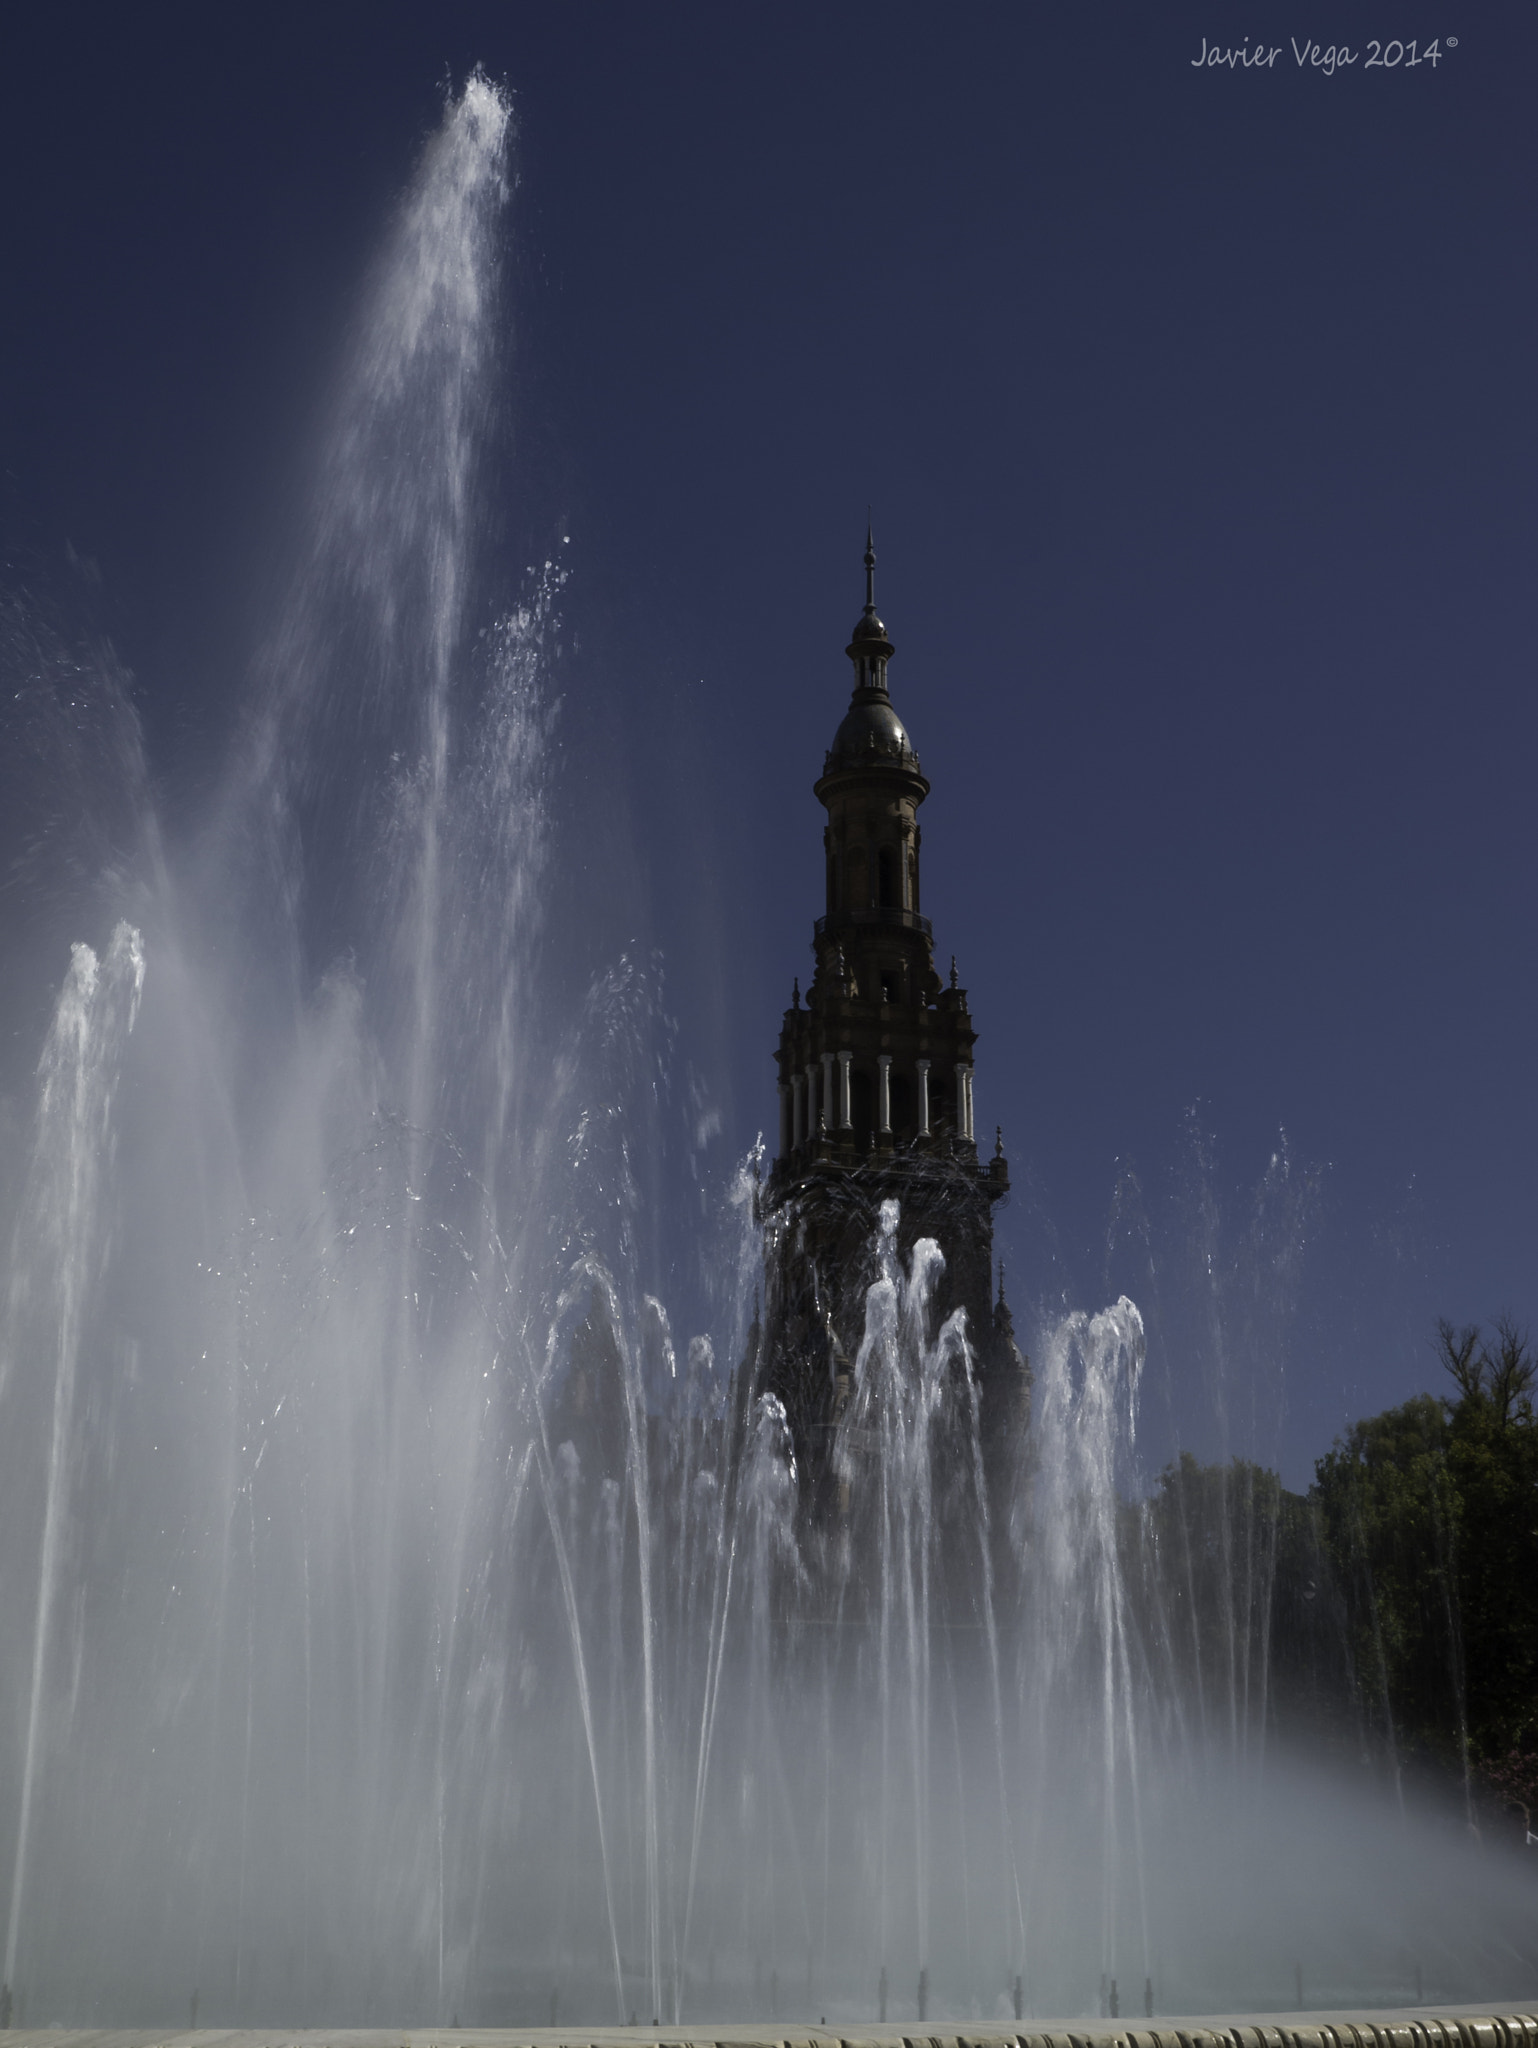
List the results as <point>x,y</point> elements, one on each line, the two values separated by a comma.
<point>870,726</point>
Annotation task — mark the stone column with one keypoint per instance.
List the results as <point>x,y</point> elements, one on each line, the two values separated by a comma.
<point>797,1126</point>
<point>923,1098</point>
<point>829,1107</point>
<point>884,1093</point>
<point>784,1119</point>
<point>844,1121</point>
<point>811,1102</point>
<point>961,1100</point>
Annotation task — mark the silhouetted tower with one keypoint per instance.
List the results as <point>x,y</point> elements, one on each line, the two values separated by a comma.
<point>876,1090</point>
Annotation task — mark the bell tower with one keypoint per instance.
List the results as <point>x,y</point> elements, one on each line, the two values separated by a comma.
<point>875,1089</point>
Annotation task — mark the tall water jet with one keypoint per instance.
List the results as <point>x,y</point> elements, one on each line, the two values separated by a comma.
<point>1084,1655</point>
<point>907,1403</point>
<point>56,1267</point>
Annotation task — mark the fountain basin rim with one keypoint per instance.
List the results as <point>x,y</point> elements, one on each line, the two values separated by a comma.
<point>1426,2026</point>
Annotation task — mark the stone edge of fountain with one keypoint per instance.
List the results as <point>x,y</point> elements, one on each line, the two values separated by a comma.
<point>1400,2027</point>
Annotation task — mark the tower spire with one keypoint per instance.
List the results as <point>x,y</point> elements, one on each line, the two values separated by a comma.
<point>869,648</point>
<point>875,1073</point>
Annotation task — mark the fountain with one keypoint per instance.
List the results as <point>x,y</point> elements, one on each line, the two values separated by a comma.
<point>403,1620</point>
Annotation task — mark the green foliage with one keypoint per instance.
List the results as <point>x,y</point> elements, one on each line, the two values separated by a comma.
<point>1235,1592</point>
<point>1389,1513</point>
<point>1213,1531</point>
<point>1430,1517</point>
<point>1402,1593</point>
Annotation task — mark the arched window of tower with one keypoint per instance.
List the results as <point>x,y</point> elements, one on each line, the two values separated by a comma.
<point>902,1104</point>
<point>886,870</point>
<point>862,1101</point>
<point>859,885</point>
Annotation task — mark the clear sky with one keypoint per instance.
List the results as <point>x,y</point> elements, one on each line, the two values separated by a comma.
<point>1195,407</point>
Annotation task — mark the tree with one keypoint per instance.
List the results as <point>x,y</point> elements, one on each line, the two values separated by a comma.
<point>1236,1601</point>
<point>1492,1462</point>
<point>1389,1516</point>
<point>1430,1514</point>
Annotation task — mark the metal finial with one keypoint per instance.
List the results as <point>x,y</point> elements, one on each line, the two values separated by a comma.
<point>953,970</point>
<point>998,1153</point>
<point>795,993</point>
<point>870,567</point>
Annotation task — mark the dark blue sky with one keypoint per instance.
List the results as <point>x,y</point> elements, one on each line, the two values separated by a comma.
<point>1197,413</point>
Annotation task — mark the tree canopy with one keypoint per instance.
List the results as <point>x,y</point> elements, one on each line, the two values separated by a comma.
<point>1393,1608</point>
<point>1429,1515</point>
